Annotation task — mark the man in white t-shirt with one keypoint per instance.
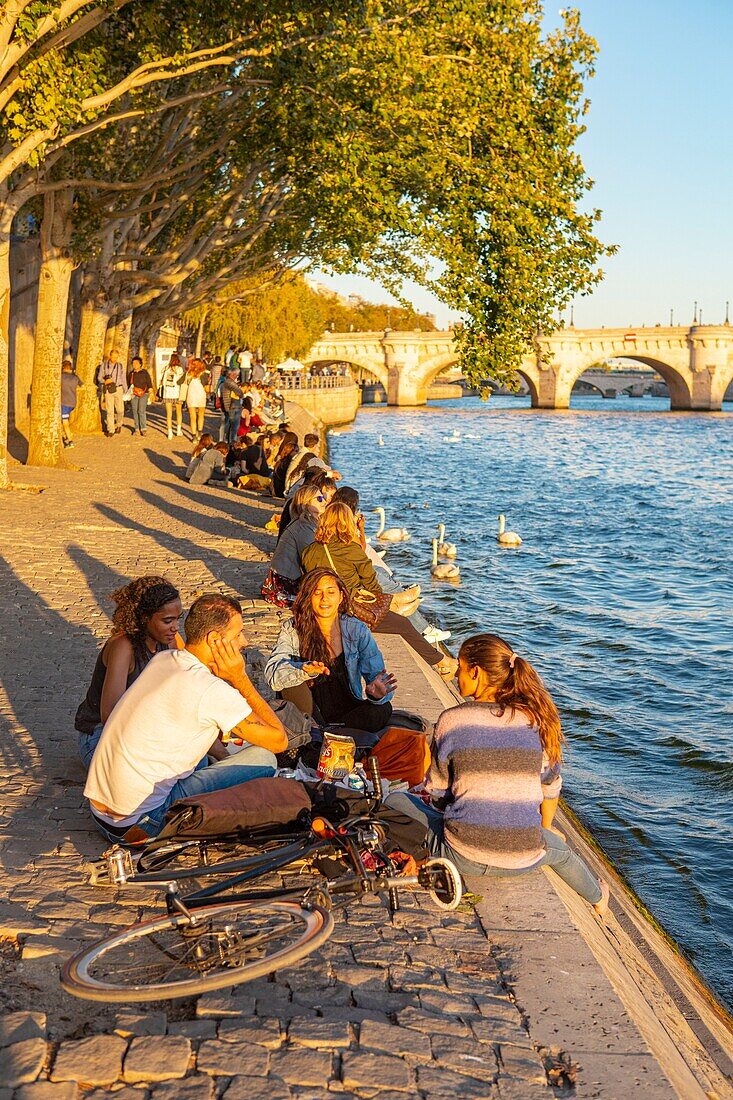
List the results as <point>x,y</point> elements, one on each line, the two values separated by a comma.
<point>154,746</point>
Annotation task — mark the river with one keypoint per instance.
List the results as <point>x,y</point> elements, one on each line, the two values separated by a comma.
<point>621,595</point>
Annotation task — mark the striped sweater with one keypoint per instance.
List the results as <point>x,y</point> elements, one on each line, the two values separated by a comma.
<point>490,767</point>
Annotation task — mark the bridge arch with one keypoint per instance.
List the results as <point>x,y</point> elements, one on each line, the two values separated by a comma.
<point>678,381</point>
<point>378,370</point>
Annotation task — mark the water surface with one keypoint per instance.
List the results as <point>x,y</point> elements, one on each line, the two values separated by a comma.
<point>621,595</point>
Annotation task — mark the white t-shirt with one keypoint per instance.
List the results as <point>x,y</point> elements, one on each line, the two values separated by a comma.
<point>161,728</point>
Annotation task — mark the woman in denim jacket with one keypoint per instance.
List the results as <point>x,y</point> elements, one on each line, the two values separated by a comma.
<point>327,662</point>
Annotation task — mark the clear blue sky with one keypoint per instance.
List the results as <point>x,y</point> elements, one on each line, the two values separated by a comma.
<point>660,150</point>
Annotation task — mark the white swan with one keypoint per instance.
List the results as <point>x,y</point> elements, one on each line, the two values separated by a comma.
<point>445,549</point>
<point>380,440</point>
<point>446,571</point>
<point>507,538</point>
<point>390,534</point>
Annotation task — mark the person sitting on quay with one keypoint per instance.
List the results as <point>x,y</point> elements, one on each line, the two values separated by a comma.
<point>337,546</point>
<point>286,569</point>
<point>205,443</point>
<point>155,744</point>
<point>211,466</point>
<point>252,472</point>
<point>307,459</point>
<point>489,758</point>
<point>315,477</point>
<point>327,662</point>
<point>145,622</point>
<point>70,383</point>
<point>286,455</point>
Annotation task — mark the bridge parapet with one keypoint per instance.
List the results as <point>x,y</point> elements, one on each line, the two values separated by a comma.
<point>696,363</point>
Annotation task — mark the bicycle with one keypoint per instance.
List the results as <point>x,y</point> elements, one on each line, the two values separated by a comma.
<point>217,936</point>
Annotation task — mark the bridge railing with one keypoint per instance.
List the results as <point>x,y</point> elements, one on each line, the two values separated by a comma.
<point>302,380</point>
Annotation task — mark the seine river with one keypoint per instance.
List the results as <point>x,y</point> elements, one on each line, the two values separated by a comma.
<point>621,595</point>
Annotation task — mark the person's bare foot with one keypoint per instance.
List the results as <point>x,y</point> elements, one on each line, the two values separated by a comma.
<point>601,907</point>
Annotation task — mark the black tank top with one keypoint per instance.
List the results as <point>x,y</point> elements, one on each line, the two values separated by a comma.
<point>88,714</point>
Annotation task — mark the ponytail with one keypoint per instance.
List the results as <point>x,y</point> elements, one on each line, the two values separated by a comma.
<point>518,686</point>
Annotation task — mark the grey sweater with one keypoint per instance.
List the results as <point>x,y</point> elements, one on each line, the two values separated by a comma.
<point>296,536</point>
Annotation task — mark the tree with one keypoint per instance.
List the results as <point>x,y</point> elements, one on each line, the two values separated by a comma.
<point>398,139</point>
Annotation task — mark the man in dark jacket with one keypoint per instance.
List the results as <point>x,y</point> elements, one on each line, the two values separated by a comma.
<point>231,394</point>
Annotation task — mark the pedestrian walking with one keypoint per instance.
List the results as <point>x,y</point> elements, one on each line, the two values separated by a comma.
<point>142,385</point>
<point>110,378</point>
<point>231,394</point>
<point>70,383</point>
<point>196,397</point>
<point>170,391</point>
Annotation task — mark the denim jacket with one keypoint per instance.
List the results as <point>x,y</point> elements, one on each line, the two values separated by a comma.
<point>361,655</point>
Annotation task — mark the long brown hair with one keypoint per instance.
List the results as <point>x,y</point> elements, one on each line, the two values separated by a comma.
<point>203,444</point>
<point>313,644</point>
<point>516,685</point>
<point>287,449</point>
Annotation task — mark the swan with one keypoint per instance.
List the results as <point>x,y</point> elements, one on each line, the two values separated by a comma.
<point>391,534</point>
<point>380,440</point>
<point>446,571</point>
<point>507,538</point>
<point>445,549</point>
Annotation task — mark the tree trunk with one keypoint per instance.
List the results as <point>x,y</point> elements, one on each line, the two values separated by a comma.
<point>44,445</point>
<point>95,314</point>
<point>6,222</point>
<point>200,334</point>
<point>118,336</point>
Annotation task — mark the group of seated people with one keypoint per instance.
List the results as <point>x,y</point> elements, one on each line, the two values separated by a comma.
<point>166,718</point>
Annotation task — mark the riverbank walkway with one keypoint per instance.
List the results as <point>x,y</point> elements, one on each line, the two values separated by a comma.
<point>494,1003</point>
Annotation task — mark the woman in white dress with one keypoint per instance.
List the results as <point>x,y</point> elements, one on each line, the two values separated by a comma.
<point>196,397</point>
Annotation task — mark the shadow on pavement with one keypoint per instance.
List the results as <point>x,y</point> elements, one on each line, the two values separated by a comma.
<point>102,579</point>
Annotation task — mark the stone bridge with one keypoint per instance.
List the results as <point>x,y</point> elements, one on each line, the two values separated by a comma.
<point>696,363</point>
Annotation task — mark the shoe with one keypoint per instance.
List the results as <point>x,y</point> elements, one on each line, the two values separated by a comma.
<point>70,443</point>
<point>179,431</point>
<point>435,634</point>
<point>142,432</point>
<point>447,668</point>
<point>170,434</point>
<point>133,431</point>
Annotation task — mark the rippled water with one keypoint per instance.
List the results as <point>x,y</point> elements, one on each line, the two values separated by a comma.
<point>622,596</point>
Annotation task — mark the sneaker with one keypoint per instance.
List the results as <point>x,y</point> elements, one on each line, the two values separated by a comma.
<point>170,433</point>
<point>179,431</point>
<point>435,634</point>
<point>70,443</point>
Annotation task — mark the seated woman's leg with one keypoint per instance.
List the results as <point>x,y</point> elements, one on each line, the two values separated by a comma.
<point>398,624</point>
<point>251,756</point>
<point>301,696</point>
<point>88,743</point>
<point>570,867</point>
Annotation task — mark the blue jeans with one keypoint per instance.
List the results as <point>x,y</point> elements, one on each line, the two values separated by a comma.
<point>88,743</point>
<point>250,763</point>
<point>231,422</point>
<point>139,407</point>
<point>558,855</point>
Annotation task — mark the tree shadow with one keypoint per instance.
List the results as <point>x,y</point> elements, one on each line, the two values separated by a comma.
<point>167,464</point>
<point>40,655</point>
<point>236,503</point>
<point>17,445</point>
<point>242,576</point>
<point>102,579</point>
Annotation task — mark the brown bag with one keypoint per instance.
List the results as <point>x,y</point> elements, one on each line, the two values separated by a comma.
<point>370,607</point>
<point>403,754</point>
<point>257,804</point>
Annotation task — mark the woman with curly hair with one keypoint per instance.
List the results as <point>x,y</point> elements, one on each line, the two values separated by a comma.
<point>327,662</point>
<point>144,623</point>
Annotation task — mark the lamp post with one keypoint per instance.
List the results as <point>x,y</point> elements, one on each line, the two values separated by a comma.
<point>694,316</point>
<point>727,311</point>
<point>671,318</point>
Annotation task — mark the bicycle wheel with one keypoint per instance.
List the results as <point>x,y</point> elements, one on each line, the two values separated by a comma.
<point>173,957</point>
<point>441,880</point>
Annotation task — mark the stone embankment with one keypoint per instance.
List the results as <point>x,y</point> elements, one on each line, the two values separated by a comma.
<point>500,1001</point>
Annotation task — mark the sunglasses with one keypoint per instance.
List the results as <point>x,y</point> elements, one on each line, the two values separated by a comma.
<point>320,498</point>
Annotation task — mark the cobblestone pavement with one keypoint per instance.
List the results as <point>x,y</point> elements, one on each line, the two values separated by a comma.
<point>415,1006</point>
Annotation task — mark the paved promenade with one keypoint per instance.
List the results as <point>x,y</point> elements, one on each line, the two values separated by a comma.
<point>487,1003</point>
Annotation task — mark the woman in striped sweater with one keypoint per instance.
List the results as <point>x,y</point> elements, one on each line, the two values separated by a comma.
<point>492,759</point>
